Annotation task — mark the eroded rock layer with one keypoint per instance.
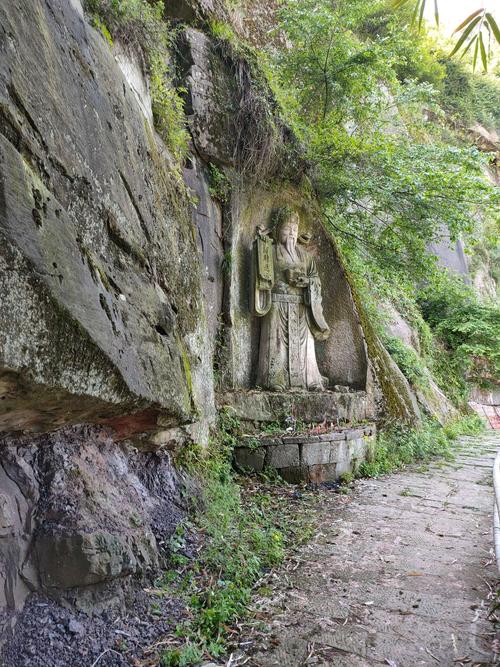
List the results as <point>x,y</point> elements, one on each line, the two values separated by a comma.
<point>79,512</point>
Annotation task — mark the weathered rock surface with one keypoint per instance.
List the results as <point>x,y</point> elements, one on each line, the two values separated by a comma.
<point>326,406</point>
<point>79,510</point>
<point>101,308</point>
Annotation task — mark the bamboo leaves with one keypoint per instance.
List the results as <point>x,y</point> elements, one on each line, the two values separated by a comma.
<point>472,29</point>
<point>493,25</point>
<point>468,20</point>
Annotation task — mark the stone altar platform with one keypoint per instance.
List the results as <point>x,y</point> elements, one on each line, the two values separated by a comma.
<point>261,407</point>
<point>306,457</point>
<point>316,436</point>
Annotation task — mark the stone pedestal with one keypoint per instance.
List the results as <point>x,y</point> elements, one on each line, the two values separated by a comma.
<point>261,407</point>
<point>329,445</point>
<point>307,457</point>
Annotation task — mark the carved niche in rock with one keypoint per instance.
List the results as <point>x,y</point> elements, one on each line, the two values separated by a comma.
<point>287,295</point>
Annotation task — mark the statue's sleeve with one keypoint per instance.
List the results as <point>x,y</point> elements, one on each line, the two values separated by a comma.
<point>263,279</point>
<point>314,300</point>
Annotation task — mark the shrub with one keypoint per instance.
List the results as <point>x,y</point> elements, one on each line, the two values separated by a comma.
<point>470,98</point>
<point>409,362</point>
<point>468,329</point>
<point>397,445</point>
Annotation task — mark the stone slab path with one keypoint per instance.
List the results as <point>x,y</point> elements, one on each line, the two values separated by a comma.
<point>400,573</point>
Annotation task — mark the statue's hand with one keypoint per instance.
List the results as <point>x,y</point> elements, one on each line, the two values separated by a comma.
<point>297,279</point>
<point>322,334</point>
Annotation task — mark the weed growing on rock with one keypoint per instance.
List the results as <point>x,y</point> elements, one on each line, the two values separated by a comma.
<point>168,109</point>
<point>219,185</point>
<point>222,31</point>
<point>141,28</point>
<point>103,29</point>
<point>409,362</point>
<point>137,24</point>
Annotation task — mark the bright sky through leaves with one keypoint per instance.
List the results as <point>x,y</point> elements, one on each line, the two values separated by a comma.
<point>453,12</point>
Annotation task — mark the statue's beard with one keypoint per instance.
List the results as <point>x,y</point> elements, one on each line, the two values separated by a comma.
<point>290,245</point>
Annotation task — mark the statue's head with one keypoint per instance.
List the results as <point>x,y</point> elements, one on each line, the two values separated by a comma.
<point>287,227</point>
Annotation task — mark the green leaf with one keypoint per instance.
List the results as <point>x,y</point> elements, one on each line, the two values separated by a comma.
<point>468,20</point>
<point>421,15</point>
<point>493,25</point>
<point>474,59</point>
<point>484,58</point>
<point>471,42</point>
<point>465,34</point>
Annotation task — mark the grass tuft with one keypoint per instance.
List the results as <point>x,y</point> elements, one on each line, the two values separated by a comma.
<point>398,445</point>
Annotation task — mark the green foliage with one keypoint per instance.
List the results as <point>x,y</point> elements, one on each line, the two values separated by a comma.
<point>398,445</point>
<point>228,433</point>
<point>186,655</point>
<point>415,51</point>
<point>466,425</point>
<point>478,30</point>
<point>468,329</point>
<point>244,536</point>
<point>388,180</point>
<point>136,23</point>
<point>470,98</point>
<point>219,184</point>
<point>222,31</point>
<point>404,197</point>
<point>346,478</point>
<point>227,263</point>
<point>103,29</point>
<point>168,108</point>
<point>409,362</point>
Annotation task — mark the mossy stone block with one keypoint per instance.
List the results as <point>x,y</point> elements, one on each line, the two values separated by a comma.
<point>252,459</point>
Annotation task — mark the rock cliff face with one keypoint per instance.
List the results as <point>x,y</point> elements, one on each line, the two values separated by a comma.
<point>124,306</point>
<point>101,311</point>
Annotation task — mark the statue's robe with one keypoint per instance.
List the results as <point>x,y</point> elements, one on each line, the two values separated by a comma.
<point>287,356</point>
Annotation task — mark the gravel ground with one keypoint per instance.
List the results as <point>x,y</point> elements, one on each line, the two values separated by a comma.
<point>50,635</point>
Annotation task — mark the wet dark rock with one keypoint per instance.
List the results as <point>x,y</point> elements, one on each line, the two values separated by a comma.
<point>90,514</point>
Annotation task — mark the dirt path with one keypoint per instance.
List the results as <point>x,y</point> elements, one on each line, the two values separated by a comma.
<point>398,574</point>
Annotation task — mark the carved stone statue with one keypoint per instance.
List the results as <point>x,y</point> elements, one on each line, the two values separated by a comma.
<point>287,294</point>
